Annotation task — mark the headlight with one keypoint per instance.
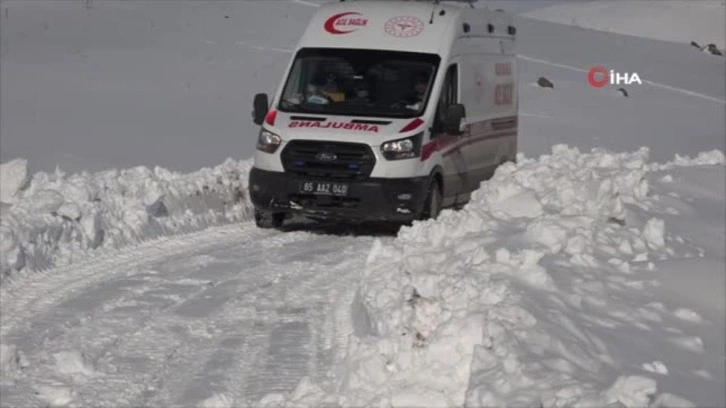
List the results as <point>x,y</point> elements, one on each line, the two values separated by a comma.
<point>268,142</point>
<point>400,149</point>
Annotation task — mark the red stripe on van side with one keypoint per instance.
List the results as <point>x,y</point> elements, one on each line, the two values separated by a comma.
<point>440,143</point>
<point>474,140</point>
<point>477,132</point>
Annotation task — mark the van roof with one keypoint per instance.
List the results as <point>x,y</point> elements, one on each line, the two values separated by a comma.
<point>416,26</point>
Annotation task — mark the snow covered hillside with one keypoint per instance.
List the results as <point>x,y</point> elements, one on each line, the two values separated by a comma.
<point>680,21</point>
<point>679,109</point>
<point>124,83</point>
<point>590,273</point>
<point>127,83</point>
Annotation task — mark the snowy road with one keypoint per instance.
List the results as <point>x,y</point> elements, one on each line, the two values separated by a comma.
<point>231,313</point>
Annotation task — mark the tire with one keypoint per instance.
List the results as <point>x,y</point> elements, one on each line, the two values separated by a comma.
<point>269,220</point>
<point>432,207</point>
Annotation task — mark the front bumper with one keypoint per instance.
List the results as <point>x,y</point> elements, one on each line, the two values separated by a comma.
<point>374,199</point>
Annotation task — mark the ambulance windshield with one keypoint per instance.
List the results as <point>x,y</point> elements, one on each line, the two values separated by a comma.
<point>359,82</point>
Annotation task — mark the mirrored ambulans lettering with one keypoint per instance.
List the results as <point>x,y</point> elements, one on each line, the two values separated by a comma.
<point>362,127</point>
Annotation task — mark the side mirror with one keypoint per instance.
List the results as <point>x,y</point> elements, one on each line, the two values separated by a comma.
<point>260,106</point>
<point>452,119</point>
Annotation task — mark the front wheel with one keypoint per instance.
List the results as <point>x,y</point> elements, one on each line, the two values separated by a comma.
<point>267,220</point>
<point>432,207</point>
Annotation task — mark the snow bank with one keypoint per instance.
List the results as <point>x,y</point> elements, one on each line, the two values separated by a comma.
<point>54,219</point>
<point>73,363</point>
<point>446,303</point>
<point>711,158</point>
<point>14,175</point>
<point>509,301</point>
<point>679,21</point>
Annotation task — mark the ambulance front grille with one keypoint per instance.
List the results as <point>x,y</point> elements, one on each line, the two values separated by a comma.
<point>352,161</point>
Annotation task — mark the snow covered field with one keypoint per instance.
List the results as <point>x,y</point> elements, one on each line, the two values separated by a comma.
<point>128,83</point>
<point>679,21</point>
<point>576,277</point>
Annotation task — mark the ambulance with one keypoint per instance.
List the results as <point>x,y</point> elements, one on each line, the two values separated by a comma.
<point>388,111</point>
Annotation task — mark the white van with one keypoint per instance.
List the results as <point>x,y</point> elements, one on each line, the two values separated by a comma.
<point>388,111</point>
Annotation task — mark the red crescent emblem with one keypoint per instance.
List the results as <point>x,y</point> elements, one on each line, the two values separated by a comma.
<point>330,23</point>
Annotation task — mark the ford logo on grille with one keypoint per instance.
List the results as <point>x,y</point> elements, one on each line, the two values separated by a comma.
<point>326,157</point>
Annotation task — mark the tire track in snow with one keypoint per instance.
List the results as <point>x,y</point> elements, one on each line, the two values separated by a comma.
<point>288,342</point>
<point>90,308</point>
<point>23,298</point>
<point>237,326</point>
<point>257,355</point>
<point>97,331</point>
<point>230,311</point>
<point>320,345</point>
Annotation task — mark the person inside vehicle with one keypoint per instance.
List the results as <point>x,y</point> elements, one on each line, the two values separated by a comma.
<point>332,89</point>
<point>414,99</point>
<point>322,90</point>
<point>360,91</point>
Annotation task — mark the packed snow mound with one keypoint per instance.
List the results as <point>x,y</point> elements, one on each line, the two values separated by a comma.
<point>712,158</point>
<point>508,301</point>
<point>679,21</point>
<point>14,175</point>
<point>54,219</point>
<point>73,363</point>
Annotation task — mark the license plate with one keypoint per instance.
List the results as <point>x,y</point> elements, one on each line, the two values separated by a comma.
<point>324,188</point>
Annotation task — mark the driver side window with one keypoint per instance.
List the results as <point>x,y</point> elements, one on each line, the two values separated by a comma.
<point>449,96</point>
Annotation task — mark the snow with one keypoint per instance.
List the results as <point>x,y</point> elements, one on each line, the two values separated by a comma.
<point>55,396</point>
<point>57,218</point>
<point>124,84</point>
<point>713,157</point>
<point>656,367</point>
<point>527,296</point>
<point>14,175</point>
<point>550,305</point>
<point>218,317</point>
<point>589,273</point>
<point>688,315</point>
<point>7,357</point>
<point>631,391</point>
<point>217,401</point>
<point>72,362</point>
<point>653,233</point>
<point>680,21</point>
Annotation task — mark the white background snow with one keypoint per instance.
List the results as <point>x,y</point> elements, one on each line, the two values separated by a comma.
<point>575,277</point>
